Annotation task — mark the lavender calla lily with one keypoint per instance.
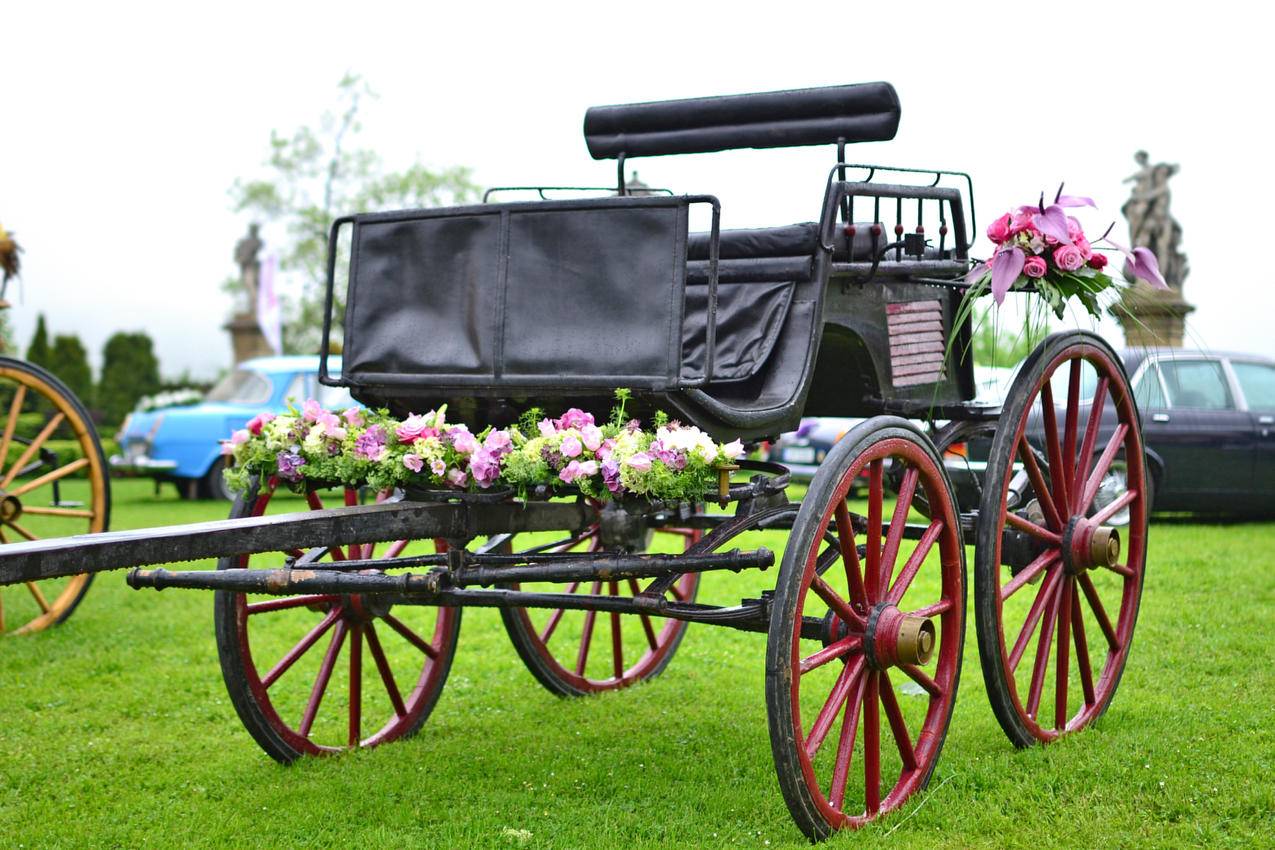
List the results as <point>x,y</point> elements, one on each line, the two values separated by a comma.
<point>1006,267</point>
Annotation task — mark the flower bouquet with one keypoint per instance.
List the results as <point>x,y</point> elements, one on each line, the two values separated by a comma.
<point>1042,249</point>
<point>618,458</point>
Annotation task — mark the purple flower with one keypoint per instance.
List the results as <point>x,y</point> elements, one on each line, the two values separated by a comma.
<point>485,467</point>
<point>1005,267</point>
<point>289,464</point>
<point>571,446</point>
<point>370,445</point>
<point>611,476</point>
<point>498,443</point>
<point>413,428</point>
<point>413,462</point>
<point>668,455</point>
<point>574,418</point>
<point>640,461</point>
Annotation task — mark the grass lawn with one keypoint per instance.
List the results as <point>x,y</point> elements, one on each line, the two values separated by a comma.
<point>118,732</point>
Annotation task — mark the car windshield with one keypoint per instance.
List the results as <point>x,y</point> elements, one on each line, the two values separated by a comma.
<point>241,387</point>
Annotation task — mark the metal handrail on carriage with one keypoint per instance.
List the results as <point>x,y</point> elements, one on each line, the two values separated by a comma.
<point>740,333</point>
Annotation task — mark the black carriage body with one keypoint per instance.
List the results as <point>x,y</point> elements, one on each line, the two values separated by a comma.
<point>498,307</point>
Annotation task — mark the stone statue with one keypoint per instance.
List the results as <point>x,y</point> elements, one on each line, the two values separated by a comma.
<point>246,251</point>
<point>1151,224</point>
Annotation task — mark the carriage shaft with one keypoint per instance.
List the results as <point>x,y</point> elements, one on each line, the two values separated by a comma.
<point>91,553</point>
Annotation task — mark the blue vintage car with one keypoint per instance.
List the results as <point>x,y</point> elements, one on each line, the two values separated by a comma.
<point>181,444</point>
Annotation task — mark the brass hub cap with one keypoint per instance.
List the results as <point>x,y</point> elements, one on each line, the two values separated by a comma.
<point>1085,544</point>
<point>10,507</point>
<point>893,638</point>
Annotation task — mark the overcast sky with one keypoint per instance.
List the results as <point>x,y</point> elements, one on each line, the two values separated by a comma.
<point>124,125</point>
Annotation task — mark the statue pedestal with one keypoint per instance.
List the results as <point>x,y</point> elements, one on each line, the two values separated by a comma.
<point>1152,317</point>
<point>246,338</point>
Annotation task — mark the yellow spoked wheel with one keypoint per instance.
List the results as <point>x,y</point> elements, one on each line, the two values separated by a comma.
<point>52,484</point>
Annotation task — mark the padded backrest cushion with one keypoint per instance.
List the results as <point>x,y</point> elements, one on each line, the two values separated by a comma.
<point>867,112</point>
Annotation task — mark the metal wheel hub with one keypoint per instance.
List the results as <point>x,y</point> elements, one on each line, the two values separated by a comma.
<point>10,507</point>
<point>893,638</point>
<point>1086,544</point>
<point>362,608</point>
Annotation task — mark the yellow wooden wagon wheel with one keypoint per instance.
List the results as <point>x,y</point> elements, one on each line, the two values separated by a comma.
<point>52,484</point>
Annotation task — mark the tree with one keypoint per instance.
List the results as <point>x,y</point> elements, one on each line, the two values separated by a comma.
<point>70,363</point>
<point>38,350</point>
<point>130,371</point>
<point>319,173</point>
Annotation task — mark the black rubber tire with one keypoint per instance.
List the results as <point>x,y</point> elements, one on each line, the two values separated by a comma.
<point>986,587</point>
<point>214,486</point>
<point>779,672</point>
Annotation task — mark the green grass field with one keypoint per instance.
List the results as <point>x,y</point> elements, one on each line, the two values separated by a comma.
<point>117,732</point>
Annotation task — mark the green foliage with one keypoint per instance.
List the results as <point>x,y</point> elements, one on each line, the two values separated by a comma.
<point>997,343</point>
<point>38,350</point>
<point>69,361</point>
<point>130,371</point>
<point>319,173</point>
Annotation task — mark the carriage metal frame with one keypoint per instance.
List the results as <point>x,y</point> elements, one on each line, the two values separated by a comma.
<point>825,318</point>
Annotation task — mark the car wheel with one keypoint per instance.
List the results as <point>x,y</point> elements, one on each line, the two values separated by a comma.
<point>213,484</point>
<point>1114,485</point>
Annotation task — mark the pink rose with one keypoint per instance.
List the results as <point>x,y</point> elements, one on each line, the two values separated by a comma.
<point>256,423</point>
<point>1098,261</point>
<point>575,418</point>
<point>1068,258</point>
<point>640,461</point>
<point>413,428</point>
<point>1035,267</point>
<point>998,231</point>
<point>463,441</point>
<point>1083,246</point>
<point>1074,230</point>
<point>1021,221</point>
<point>571,446</point>
<point>413,462</point>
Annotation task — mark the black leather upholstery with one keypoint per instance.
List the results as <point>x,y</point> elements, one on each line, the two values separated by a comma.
<point>868,112</point>
<point>795,240</point>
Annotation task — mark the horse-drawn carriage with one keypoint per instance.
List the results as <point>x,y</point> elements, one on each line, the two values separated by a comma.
<point>492,308</point>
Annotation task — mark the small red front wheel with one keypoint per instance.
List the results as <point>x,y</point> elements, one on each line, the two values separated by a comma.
<point>1061,540</point>
<point>322,673</point>
<point>866,626</point>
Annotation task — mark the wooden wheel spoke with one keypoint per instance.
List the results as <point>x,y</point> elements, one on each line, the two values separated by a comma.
<point>39,597</point>
<point>933,610</point>
<point>1125,498</point>
<point>845,745</point>
<point>898,727</point>
<point>289,602</point>
<point>850,555</point>
<point>410,636</point>
<point>1029,572</point>
<point>913,564</point>
<point>1099,612</point>
<point>356,686</point>
<point>872,746</point>
<point>37,510</point>
<point>1044,599</point>
<point>586,637</point>
<point>31,449</point>
<point>21,530</point>
<point>832,705</point>
<point>1082,650</point>
<point>836,649</point>
<point>1057,472</point>
<point>617,646</point>
<point>321,681</point>
<point>1041,665</point>
<point>387,675</point>
<point>834,601</point>
<point>872,580</point>
<point>49,477</point>
<point>19,396</point>
<point>923,679</point>
<point>898,523</point>
<point>301,648</point>
<point>1061,662</point>
<point>1037,478</point>
<point>1026,525</point>
<point>1091,438</point>
<point>1101,468</point>
<point>1071,423</point>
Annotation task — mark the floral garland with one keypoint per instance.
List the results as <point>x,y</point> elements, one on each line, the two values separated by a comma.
<point>360,446</point>
<point>1039,246</point>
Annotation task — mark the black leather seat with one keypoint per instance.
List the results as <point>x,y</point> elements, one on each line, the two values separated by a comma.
<point>794,240</point>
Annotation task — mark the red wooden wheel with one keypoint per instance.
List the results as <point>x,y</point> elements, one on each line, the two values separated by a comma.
<point>320,674</point>
<point>574,653</point>
<point>861,637</point>
<point>1056,582</point>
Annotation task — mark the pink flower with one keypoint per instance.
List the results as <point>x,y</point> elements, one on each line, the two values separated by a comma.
<point>1098,261</point>
<point>576,469</point>
<point>546,427</point>
<point>457,477</point>
<point>640,461</point>
<point>413,462</point>
<point>1074,229</point>
<point>575,418</point>
<point>998,231</point>
<point>256,423</point>
<point>353,417</point>
<point>437,467</point>
<point>1083,246</point>
<point>370,445</point>
<point>591,435</point>
<point>1068,258</point>
<point>498,443</point>
<point>463,441</point>
<point>413,428</point>
<point>239,437</point>
<point>1035,267</point>
<point>571,446</point>
<point>604,451</point>
<point>1021,221</point>
<point>485,466</point>
<point>733,449</point>
<point>329,424</point>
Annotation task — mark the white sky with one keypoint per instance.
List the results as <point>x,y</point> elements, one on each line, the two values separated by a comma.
<point>123,125</point>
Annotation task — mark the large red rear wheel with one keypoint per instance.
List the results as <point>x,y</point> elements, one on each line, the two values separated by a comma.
<point>867,625</point>
<point>320,674</point>
<point>1060,559</point>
